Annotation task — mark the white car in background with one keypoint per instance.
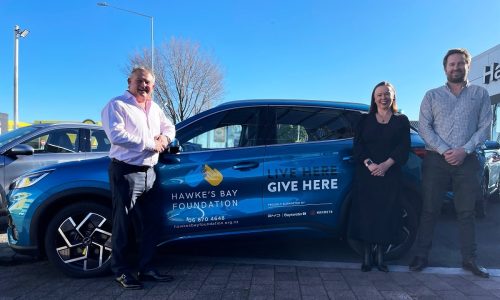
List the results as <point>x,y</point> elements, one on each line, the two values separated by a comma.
<point>34,146</point>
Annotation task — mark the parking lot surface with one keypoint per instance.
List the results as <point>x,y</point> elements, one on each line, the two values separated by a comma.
<point>219,278</point>
<point>231,273</point>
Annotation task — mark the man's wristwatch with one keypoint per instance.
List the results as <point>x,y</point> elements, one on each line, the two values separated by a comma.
<point>368,162</point>
<point>467,151</point>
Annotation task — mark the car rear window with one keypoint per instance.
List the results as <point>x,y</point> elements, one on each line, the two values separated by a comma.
<point>310,124</point>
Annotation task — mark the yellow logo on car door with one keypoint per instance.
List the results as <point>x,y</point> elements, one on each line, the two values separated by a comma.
<point>212,176</point>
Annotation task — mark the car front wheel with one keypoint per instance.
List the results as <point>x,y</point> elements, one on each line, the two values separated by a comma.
<point>78,240</point>
<point>407,234</point>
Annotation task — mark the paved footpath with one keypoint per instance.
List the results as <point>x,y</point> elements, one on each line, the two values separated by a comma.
<point>208,278</point>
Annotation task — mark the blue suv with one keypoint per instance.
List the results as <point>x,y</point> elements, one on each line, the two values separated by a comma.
<point>245,167</point>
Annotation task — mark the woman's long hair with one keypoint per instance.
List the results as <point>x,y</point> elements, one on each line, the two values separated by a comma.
<point>373,105</point>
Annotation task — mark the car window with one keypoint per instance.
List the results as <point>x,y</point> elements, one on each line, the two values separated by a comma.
<point>227,129</point>
<point>38,143</point>
<point>309,124</point>
<point>99,142</point>
<point>56,141</point>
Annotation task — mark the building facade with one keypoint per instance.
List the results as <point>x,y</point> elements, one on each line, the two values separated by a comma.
<point>485,71</point>
<point>4,122</point>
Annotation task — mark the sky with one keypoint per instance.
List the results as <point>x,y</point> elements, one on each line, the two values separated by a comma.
<point>73,60</point>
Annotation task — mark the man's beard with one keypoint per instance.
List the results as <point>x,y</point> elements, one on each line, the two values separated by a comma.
<point>454,79</point>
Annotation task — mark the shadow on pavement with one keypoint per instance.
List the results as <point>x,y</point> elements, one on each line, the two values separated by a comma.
<point>445,251</point>
<point>16,260</point>
<point>9,258</point>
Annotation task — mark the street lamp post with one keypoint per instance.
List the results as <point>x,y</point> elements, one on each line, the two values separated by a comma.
<point>17,34</point>
<point>143,15</point>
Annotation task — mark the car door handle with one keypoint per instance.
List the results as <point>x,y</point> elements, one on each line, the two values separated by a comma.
<point>347,158</point>
<point>246,165</point>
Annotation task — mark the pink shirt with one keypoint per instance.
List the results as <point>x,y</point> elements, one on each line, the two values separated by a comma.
<point>131,129</point>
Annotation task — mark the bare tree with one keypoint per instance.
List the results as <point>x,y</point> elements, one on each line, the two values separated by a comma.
<point>188,81</point>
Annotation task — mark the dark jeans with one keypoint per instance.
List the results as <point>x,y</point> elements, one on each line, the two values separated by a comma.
<point>465,180</point>
<point>132,213</point>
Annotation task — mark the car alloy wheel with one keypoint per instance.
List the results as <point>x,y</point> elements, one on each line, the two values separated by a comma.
<point>78,240</point>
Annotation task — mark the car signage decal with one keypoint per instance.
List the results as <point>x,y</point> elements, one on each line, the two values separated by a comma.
<point>302,179</point>
<point>190,209</point>
<point>212,176</point>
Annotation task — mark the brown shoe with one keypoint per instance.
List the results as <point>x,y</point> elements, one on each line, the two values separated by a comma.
<point>475,269</point>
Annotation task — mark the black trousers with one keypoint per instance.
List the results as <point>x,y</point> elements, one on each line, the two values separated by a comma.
<point>134,218</point>
<point>465,180</point>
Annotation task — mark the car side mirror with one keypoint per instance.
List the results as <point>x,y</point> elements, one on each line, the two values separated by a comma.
<point>174,147</point>
<point>491,145</point>
<point>21,149</point>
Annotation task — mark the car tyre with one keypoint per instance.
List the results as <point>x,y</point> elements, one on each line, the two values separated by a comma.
<point>408,233</point>
<point>495,197</point>
<point>78,240</point>
<point>3,202</point>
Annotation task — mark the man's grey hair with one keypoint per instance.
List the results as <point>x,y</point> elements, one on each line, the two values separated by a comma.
<point>141,69</point>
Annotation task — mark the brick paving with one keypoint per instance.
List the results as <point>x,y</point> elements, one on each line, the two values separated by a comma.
<point>22,277</point>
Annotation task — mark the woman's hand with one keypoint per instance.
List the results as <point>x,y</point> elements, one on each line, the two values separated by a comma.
<point>376,169</point>
<point>381,169</point>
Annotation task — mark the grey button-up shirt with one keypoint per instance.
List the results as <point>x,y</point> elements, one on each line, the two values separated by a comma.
<point>448,121</point>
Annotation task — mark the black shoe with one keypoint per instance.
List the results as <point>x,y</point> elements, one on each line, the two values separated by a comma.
<point>381,266</point>
<point>366,266</point>
<point>128,282</point>
<point>418,264</point>
<point>153,275</point>
<point>475,269</point>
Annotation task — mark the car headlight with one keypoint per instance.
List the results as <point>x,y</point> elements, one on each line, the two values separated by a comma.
<point>29,179</point>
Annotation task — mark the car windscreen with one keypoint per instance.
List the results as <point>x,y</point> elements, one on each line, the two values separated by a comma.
<point>7,137</point>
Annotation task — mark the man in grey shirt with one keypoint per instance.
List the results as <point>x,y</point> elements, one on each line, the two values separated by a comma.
<point>454,120</point>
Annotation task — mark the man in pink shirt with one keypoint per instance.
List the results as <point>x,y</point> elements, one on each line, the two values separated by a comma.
<point>138,130</point>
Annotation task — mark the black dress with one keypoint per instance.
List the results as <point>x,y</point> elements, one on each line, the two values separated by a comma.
<point>376,209</point>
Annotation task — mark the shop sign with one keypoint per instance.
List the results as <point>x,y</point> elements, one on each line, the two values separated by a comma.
<point>491,73</point>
